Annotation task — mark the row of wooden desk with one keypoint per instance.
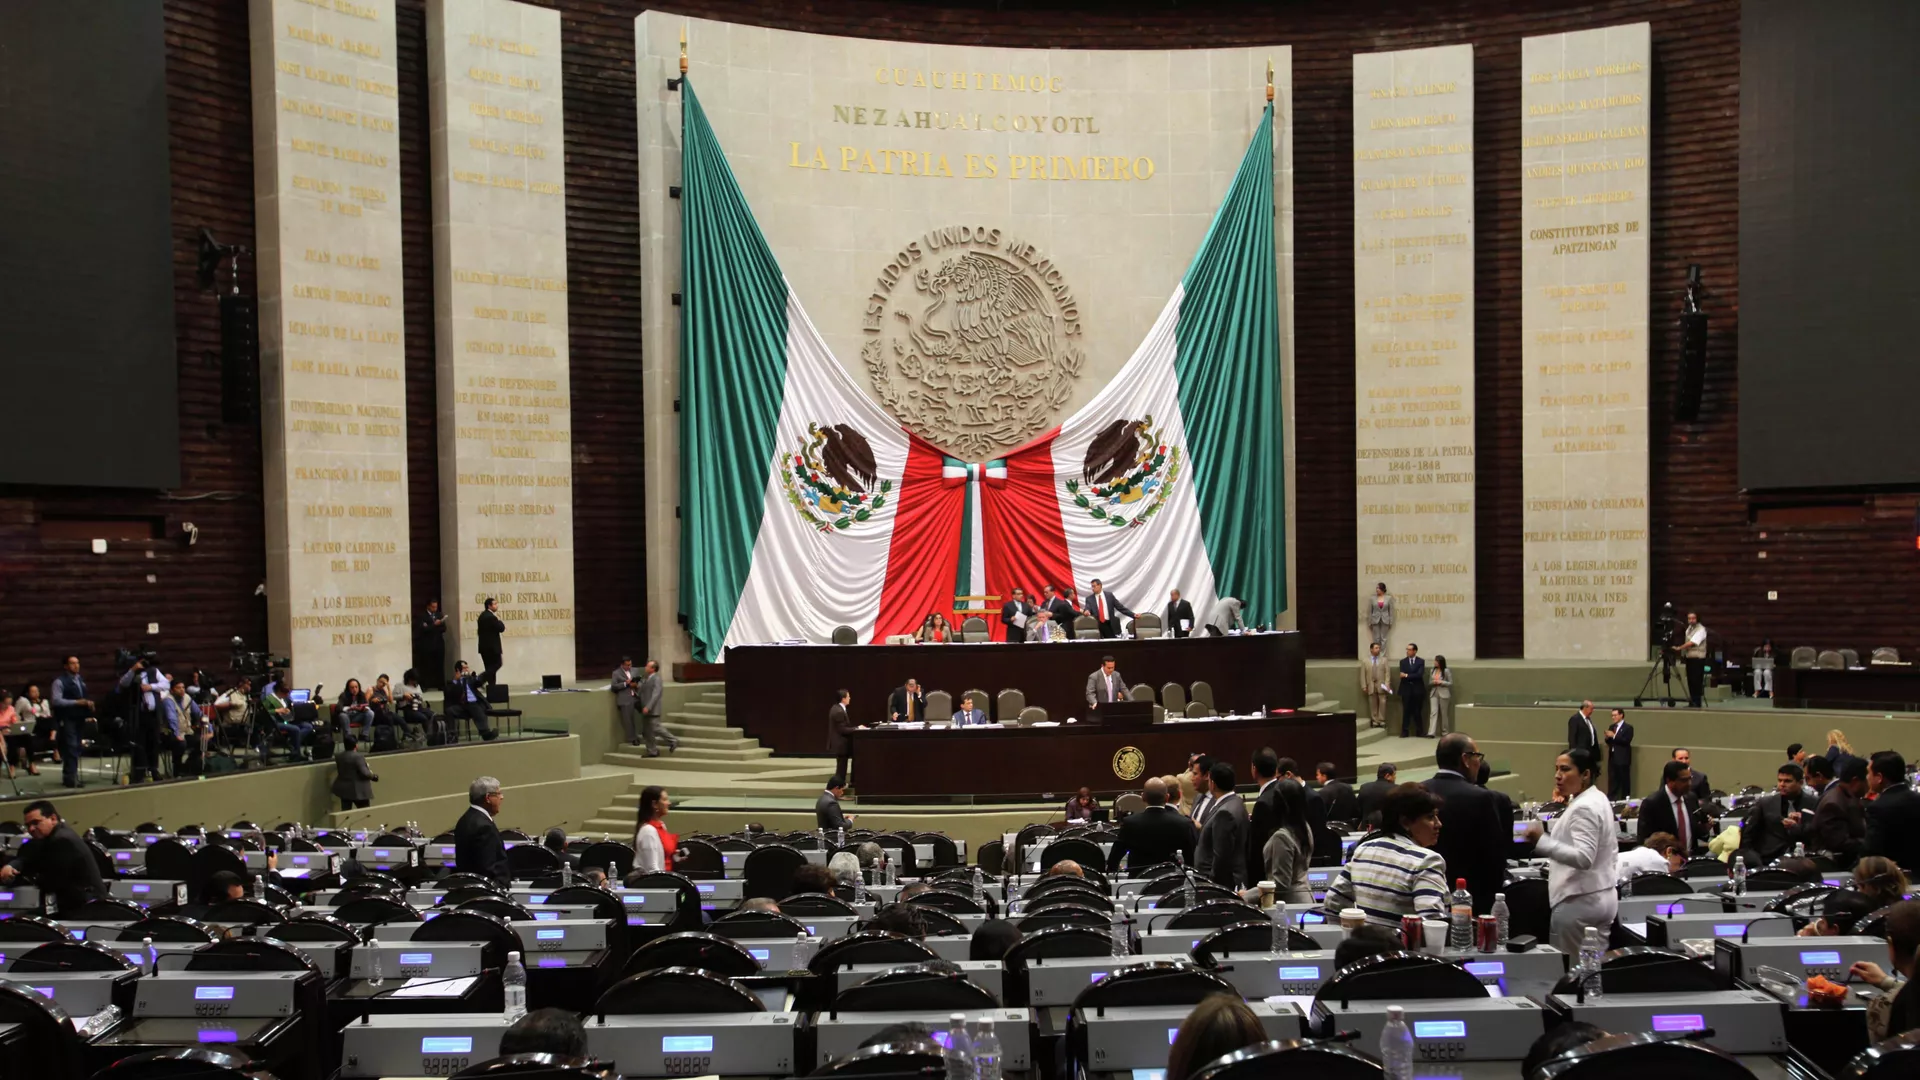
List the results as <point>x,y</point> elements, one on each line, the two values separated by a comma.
<point>1111,757</point>
<point>780,694</point>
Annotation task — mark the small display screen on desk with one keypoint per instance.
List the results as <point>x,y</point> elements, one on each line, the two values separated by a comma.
<point>447,1044</point>
<point>1439,1029</point>
<point>1680,1022</point>
<point>686,1044</point>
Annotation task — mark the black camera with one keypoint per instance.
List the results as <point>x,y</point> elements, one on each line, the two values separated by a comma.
<point>255,665</point>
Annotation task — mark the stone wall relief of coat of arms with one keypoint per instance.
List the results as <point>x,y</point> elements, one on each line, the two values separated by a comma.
<point>972,340</point>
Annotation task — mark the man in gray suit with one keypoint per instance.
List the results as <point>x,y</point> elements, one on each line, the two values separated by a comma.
<point>1105,685</point>
<point>1221,853</point>
<point>626,682</point>
<point>650,694</point>
<point>352,779</point>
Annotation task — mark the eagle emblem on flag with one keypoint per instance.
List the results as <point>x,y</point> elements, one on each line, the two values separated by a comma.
<point>1128,473</point>
<point>831,478</point>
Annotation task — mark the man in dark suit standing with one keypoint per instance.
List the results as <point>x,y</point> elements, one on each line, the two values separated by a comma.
<point>352,779</point>
<point>1476,823</point>
<point>1179,615</point>
<point>1337,794</point>
<point>1702,790</point>
<point>1018,606</point>
<point>1371,792</point>
<point>1581,733</point>
<point>1774,823</point>
<point>1105,610</point>
<point>907,703</point>
<point>491,626</point>
<point>1840,821</point>
<point>57,858</point>
<point>1619,756</point>
<point>839,743</point>
<point>430,647</point>
<point>1263,813</point>
<point>1413,692</point>
<point>827,814</point>
<point>476,838</point>
<point>1060,610</point>
<point>1153,835</point>
<point>1893,819</point>
<point>1220,854</point>
<point>1674,809</point>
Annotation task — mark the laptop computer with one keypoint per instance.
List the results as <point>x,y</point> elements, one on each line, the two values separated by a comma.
<point>549,682</point>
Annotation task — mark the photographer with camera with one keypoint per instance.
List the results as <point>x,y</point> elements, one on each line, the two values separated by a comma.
<point>410,701</point>
<point>277,715</point>
<point>145,686</point>
<point>181,719</point>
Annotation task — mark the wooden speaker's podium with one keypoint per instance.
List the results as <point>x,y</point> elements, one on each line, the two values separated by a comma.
<point>1125,713</point>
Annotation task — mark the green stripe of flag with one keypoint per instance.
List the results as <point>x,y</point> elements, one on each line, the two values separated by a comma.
<point>1228,370</point>
<point>733,367</point>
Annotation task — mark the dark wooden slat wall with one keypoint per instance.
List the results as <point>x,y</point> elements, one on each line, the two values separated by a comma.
<point>1848,582</point>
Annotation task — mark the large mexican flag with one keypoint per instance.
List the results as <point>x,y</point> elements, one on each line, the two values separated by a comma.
<point>806,507</point>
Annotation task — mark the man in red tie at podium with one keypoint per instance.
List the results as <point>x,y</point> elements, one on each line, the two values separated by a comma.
<point>1105,610</point>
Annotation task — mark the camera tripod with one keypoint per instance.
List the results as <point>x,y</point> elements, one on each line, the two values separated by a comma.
<point>1662,667</point>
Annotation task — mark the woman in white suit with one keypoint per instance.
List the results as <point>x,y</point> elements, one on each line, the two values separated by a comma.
<point>1439,699</point>
<point>1582,852</point>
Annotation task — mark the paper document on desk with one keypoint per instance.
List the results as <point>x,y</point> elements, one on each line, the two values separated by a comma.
<point>423,988</point>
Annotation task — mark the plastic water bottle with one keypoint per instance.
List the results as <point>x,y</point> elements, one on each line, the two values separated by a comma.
<point>886,869</point>
<point>260,887</point>
<point>959,1049</point>
<point>1501,917</point>
<point>1740,875</point>
<point>841,837</point>
<point>1460,918</point>
<point>513,984</point>
<point>1279,932</point>
<point>101,1022</point>
<point>1396,1045</point>
<point>379,973</point>
<point>804,948</point>
<point>1119,936</point>
<point>1593,951</point>
<point>976,885</point>
<point>566,872</point>
<point>152,954</point>
<point>986,1052</point>
<point>1799,850</point>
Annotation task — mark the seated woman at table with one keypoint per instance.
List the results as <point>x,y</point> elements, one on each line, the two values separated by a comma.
<point>934,630</point>
<point>1397,872</point>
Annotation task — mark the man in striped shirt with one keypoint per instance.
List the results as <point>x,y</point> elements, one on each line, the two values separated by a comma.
<point>1398,873</point>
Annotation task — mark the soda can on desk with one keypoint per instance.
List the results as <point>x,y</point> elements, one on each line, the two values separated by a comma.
<point>1413,933</point>
<point>1486,933</point>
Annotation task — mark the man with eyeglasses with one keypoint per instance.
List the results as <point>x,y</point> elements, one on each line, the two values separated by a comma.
<point>56,858</point>
<point>1476,836</point>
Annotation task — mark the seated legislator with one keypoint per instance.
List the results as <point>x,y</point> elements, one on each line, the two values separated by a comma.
<point>1082,806</point>
<point>907,704</point>
<point>1397,873</point>
<point>1106,685</point>
<point>827,815</point>
<point>934,630</point>
<point>1105,610</point>
<point>1045,631</point>
<point>1016,615</point>
<point>1153,835</point>
<point>969,714</point>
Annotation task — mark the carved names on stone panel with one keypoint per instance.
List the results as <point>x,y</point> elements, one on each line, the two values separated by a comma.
<point>1585,118</point>
<point>1413,344</point>
<point>500,307</point>
<point>333,417</point>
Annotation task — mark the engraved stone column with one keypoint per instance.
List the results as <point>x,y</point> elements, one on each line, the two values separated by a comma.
<point>500,311</point>
<point>1584,219</point>
<point>1413,344</point>
<point>333,416</point>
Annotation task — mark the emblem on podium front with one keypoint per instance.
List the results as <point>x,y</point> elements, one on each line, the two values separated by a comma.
<point>1129,763</point>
